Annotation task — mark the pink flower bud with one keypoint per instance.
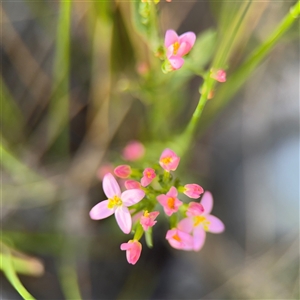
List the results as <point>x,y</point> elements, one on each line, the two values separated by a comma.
<point>219,75</point>
<point>193,190</point>
<point>132,184</point>
<point>122,171</point>
<point>133,251</point>
<point>194,209</point>
<point>133,151</point>
<point>149,175</point>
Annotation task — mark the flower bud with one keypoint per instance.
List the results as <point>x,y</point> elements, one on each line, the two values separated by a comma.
<point>122,171</point>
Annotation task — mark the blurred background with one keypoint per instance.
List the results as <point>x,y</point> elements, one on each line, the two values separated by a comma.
<point>79,81</point>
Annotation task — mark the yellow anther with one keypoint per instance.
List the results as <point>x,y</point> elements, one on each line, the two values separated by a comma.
<point>201,219</point>
<point>115,201</point>
<point>171,202</point>
<point>166,160</point>
<point>176,46</point>
<point>177,238</point>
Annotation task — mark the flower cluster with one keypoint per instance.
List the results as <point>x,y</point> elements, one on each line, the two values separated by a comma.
<point>150,191</point>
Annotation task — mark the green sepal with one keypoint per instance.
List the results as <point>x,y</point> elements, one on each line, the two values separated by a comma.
<point>139,232</point>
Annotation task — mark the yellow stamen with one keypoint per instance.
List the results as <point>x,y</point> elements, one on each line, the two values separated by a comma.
<point>115,201</point>
<point>166,160</point>
<point>176,46</point>
<point>201,219</point>
<point>146,214</point>
<point>177,238</point>
<point>148,174</point>
<point>171,202</point>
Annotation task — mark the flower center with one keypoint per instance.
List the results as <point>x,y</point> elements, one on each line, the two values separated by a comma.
<point>166,160</point>
<point>176,46</point>
<point>171,202</point>
<point>146,213</point>
<point>177,238</point>
<point>148,174</point>
<point>115,201</point>
<point>201,220</point>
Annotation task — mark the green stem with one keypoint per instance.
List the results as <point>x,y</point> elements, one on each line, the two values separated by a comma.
<point>11,275</point>
<point>59,108</point>
<point>207,87</point>
<point>238,78</point>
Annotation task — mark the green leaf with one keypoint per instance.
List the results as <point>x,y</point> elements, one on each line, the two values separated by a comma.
<point>139,232</point>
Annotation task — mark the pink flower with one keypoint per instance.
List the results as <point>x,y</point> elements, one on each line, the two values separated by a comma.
<point>149,175</point>
<point>178,46</point>
<point>116,203</point>
<point>193,190</point>
<point>122,171</point>
<point>133,151</point>
<point>133,251</point>
<point>148,219</point>
<point>219,75</point>
<point>169,201</point>
<point>132,184</point>
<point>179,239</point>
<point>169,160</point>
<point>199,223</point>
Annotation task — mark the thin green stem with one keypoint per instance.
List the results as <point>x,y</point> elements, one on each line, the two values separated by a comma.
<point>207,87</point>
<point>238,78</point>
<point>59,112</point>
<point>9,271</point>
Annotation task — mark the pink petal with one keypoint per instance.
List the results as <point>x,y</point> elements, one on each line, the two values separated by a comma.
<point>171,37</point>
<point>183,49</point>
<point>176,62</point>
<point>207,202</point>
<point>125,246</point>
<point>172,192</point>
<point>123,218</point>
<point>216,225</point>
<point>189,38</point>
<point>145,181</point>
<point>199,238</point>
<point>180,240</point>
<point>170,51</point>
<point>186,225</point>
<point>110,186</point>
<point>101,211</point>
<point>131,197</point>
<point>132,184</point>
<point>162,199</point>
<point>171,233</point>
